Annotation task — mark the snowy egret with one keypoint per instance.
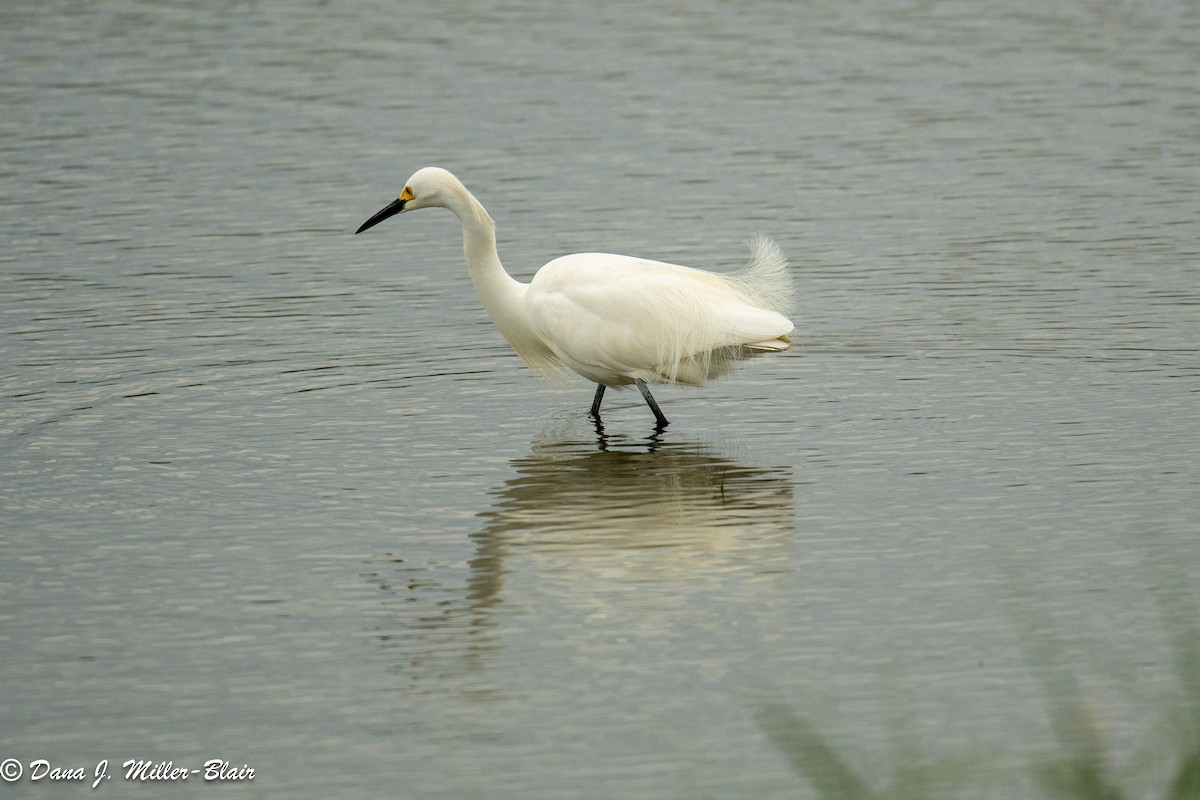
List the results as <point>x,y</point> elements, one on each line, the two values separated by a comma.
<point>616,320</point>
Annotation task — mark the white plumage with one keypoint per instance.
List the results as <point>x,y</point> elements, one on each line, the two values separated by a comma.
<point>616,320</point>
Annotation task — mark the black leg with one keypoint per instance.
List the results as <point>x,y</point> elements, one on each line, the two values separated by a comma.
<point>596,401</point>
<point>658,415</point>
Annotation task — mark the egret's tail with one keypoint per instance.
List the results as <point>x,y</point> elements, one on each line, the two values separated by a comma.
<point>776,345</point>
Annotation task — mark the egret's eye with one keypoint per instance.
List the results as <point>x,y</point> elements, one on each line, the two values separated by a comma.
<point>407,194</point>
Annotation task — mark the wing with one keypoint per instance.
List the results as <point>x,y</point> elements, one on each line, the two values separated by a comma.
<point>615,318</point>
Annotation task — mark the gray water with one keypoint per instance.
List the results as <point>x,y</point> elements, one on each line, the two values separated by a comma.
<point>278,495</point>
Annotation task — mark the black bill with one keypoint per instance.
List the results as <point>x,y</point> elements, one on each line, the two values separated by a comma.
<point>391,209</point>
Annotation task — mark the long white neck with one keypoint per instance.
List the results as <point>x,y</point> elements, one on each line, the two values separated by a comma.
<point>503,296</point>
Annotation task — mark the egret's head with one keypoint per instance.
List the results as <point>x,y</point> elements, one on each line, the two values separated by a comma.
<point>431,186</point>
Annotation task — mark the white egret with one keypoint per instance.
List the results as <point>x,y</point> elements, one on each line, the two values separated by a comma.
<point>613,319</point>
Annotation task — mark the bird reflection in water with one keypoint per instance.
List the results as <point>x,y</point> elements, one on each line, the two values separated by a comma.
<point>618,505</point>
<point>575,520</point>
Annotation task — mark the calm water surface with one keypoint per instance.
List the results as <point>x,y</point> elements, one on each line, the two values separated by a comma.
<point>278,495</point>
